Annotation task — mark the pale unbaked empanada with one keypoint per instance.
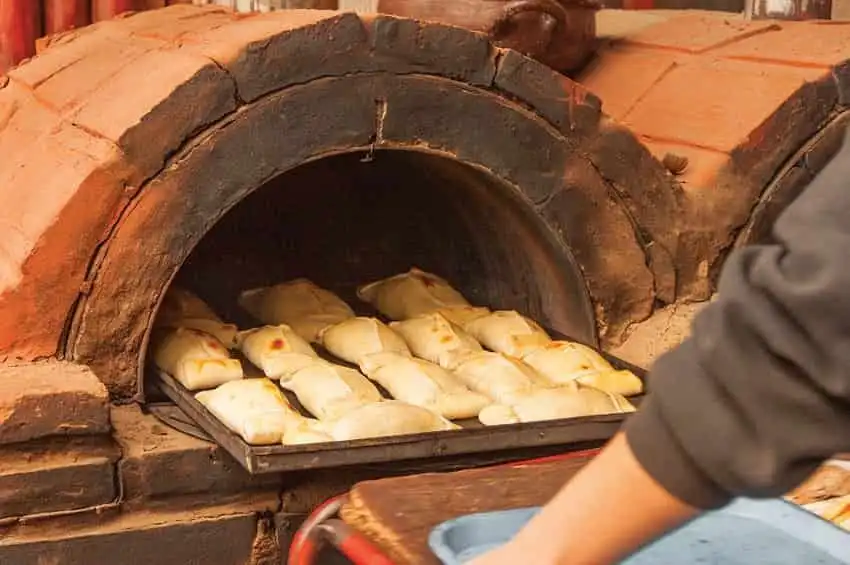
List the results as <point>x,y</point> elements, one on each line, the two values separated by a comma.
<point>566,361</point>
<point>555,404</point>
<point>277,350</point>
<point>255,409</point>
<point>433,338</point>
<point>182,309</point>
<point>424,384</point>
<point>196,359</point>
<point>305,432</point>
<point>300,304</point>
<point>178,303</point>
<point>410,294</point>
<point>358,337</point>
<point>330,391</point>
<point>500,378</point>
<point>387,418</point>
<point>508,332</point>
<point>462,315</point>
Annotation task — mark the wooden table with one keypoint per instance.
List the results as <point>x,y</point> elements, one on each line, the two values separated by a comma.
<point>398,513</point>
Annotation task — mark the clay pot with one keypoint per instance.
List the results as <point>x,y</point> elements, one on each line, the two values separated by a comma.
<point>559,33</point>
<point>62,15</point>
<point>20,26</point>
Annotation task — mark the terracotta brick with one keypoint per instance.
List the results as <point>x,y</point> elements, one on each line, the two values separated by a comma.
<point>221,532</point>
<point>54,209</point>
<point>161,461</point>
<point>65,51</point>
<point>289,47</point>
<point>567,105</point>
<point>67,88</point>
<point>621,76</point>
<point>587,218</point>
<point>56,475</point>
<point>699,32</point>
<point>150,119</point>
<point>716,115</point>
<point>265,53</point>
<point>797,44</point>
<point>50,398</point>
<point>175,21</point>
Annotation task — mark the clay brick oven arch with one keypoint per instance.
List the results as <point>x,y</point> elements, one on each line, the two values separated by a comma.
<point>133,137</point>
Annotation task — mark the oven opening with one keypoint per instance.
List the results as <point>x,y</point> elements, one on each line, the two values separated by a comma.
<point>350,219</point>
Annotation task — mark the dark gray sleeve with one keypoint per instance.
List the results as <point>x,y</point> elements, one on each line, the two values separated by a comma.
<point>759,394</point>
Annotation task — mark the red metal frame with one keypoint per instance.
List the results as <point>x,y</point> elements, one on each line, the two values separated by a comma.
<point>322,526</point>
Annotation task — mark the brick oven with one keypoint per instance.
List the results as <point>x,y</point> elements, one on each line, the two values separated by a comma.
<point>220,151</point>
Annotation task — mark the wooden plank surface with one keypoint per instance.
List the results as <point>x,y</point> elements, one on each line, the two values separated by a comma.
<point>398,513</point>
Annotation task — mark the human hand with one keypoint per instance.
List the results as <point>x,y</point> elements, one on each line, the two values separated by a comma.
<point>609,509</point>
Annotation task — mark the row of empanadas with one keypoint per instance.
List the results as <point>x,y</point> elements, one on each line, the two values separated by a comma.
<point>257,411</point>
<point>196,359</point>
<point>555,404</point>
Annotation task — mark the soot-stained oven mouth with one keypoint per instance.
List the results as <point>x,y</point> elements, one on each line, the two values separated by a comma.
<point>348,219</point>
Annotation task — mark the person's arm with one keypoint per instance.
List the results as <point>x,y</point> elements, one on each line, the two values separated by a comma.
<point>750,404</point>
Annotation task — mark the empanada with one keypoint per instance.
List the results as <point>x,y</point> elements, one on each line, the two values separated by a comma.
<point>178,303</point>
<point>277,350</point>
<point>508,332</point>
<point>433,338</point>
<point>182,309</point>
<point>500,378</point>
<point>330,391</point>
<point>300,304</point>
<point>410,294</point>
<point>196,359</point>
<point>255,409</point>
<point>555,404</point>
<point>387,418</point>
<point>358,337</point>
<point>305,432</point>
<point>462,315</point>
<point>566,361</point>
<point>424,384</point>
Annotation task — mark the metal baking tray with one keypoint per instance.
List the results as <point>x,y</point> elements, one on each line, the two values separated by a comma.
<point>568,434</point>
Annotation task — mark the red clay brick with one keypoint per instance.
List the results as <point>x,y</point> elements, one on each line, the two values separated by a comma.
<point>56,475</point>
<point>800,44</point>
<point>621,76</point>
<point>50,398</point>
<point>159,461</point>
<point>69,87</point>
<point>64,52</point>
<point>150,119</point>
<point>61,187</point>
<point>700,32</point>
<point>175,21</point>
<point>732,99</point>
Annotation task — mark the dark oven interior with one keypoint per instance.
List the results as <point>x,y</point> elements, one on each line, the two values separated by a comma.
<point>348,219</point>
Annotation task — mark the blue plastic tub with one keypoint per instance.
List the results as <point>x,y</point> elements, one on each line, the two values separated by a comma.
<point>751,532</point>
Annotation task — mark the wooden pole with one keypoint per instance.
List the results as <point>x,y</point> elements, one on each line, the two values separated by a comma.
<point>62,15</point>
